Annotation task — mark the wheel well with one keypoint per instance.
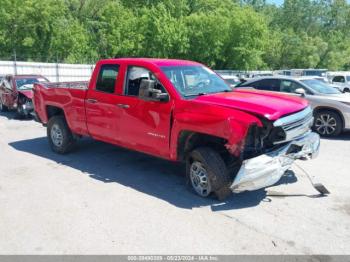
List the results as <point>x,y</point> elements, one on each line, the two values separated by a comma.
<point>53,111</point>
<point>320,109</point>
<point>190,140</point>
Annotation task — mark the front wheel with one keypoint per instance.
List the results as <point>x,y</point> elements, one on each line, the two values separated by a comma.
<point>327,123</point>
<point>207,173</point>
<point>59,135</point>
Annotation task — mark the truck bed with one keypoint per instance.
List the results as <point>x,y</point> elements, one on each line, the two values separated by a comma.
<point>66,96</point>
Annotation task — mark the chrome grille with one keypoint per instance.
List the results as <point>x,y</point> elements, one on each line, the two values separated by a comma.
<point>295,125</point>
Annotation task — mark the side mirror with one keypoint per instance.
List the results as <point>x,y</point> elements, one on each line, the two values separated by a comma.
<point>148,92</point>
<point>300,91</point>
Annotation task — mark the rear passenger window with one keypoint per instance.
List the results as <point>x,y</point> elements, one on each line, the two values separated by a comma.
<point>268,84</point>
<point>107,78</point>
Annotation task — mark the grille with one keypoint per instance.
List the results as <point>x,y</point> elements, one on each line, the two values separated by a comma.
<point>295,125</point>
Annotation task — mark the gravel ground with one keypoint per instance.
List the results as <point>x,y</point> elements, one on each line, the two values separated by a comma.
<point>103,199</point>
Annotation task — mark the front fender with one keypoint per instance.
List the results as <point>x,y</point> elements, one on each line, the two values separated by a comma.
<point>231,125</point>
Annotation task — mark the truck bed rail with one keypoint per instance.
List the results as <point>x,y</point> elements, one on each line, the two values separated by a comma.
<point>73,85</point>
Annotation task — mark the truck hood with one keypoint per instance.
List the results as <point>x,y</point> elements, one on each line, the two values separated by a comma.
<point>270,105</point>
<point>28,93</point>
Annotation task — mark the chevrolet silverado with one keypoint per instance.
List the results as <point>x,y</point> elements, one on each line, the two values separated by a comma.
<point>230,140</point>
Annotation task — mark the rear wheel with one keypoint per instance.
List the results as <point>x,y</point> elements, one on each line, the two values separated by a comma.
<point>328,123</point>
<point>346,90</point>
<point>207,173</point>
<point>59,135</point>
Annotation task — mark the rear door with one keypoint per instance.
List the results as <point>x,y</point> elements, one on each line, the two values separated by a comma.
<point>103,119</point>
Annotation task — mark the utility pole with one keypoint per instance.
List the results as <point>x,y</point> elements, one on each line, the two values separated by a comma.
<point>14,49</point>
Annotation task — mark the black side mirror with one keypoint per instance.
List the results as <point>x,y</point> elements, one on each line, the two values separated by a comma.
<point>148,92</point>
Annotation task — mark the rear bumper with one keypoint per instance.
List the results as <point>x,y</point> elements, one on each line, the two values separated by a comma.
<point>265,170</point>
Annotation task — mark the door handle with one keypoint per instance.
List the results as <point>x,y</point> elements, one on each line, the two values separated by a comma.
<point>92,101</point>
<point>123,105</point>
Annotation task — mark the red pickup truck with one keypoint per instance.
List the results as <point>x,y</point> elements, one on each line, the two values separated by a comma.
<point>230,140</point>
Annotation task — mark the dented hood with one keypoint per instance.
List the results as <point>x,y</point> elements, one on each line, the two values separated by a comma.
<point>270,105</point>
<point>28,93</point>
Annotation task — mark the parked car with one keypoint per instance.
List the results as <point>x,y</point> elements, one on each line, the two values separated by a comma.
<point>331,108</point>
<point>182,111</point>
<point>342,82</point>
<point>231,80</point>
<point>16,93</point>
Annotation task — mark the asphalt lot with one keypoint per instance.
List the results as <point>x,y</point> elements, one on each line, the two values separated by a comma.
<point>103,199</point>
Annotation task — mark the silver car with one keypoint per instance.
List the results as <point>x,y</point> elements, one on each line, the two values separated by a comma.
<point>331,107</point>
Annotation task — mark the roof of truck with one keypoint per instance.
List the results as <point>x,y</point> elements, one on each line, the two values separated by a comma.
<point>156,61</point>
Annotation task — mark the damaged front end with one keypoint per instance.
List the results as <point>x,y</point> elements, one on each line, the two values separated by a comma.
<point>270,151</point>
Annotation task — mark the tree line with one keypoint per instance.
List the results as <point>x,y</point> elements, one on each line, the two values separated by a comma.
<point>224,34</point>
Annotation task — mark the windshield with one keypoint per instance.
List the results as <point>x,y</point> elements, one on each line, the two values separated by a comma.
<point>320,86</point>
<point>195,80</point>
<point>27,83</point>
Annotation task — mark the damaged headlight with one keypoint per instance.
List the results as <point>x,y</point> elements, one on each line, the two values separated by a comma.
<point>261,139</point>
<point>276,135</point>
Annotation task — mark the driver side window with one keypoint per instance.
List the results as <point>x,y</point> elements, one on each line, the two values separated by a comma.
<point>134,77</point>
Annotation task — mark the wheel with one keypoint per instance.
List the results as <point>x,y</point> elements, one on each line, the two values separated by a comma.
<point>59,135</point>
<point>206,172</point>
<point>3,108</point>
<point>327,123</point>
<point>346,90</point>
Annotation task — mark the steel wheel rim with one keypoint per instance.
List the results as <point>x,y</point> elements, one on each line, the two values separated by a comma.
<point>325,124</point>
<point>56,135</point>
<point>199,179</point>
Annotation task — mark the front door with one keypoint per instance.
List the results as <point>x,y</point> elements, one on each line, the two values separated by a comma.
<point>144,125</point>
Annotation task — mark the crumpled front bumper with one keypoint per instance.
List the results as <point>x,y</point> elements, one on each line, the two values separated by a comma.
<point>265,170</point>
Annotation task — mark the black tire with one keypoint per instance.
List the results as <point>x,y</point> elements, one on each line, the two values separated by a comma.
<point>3,108</point>
<point>335,123</point>
<point>216,170</point>
<point>346,90</point>
<point>67,139</point>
